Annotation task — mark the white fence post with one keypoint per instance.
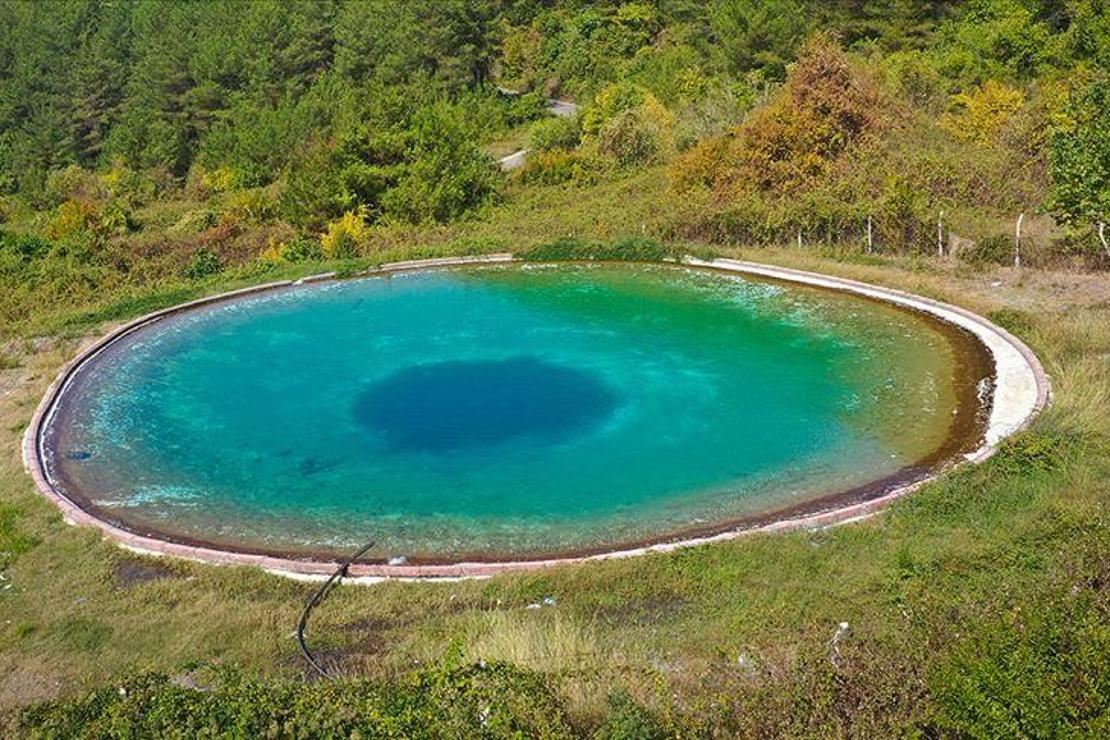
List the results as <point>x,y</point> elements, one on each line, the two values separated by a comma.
<point>940,235</point>
<point>869,242</point>
<point>1017,240</point>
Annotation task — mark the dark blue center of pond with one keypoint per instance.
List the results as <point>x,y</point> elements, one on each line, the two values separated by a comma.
<point>449,406</point>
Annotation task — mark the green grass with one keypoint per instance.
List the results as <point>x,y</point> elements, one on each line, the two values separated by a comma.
<point>977,606</point>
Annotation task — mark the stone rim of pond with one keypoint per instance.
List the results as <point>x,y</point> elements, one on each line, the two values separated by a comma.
<point>1020,391</point>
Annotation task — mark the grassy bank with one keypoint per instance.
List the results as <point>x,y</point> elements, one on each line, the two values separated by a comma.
<point>978,604</point>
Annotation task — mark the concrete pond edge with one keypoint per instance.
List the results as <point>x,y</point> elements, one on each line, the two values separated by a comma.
<point>1021,391</point>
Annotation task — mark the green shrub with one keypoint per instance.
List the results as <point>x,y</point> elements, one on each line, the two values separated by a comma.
<point>994,250</point>
<point>205,263</point>
<point>476,245</point>
<point>563,248</point>
<point>445,175</point>
<point>313,192</point>
<point>639,249</point>
<point>115,219</point>
<point>495,700</point>
<point>627,720</point>
<point>70,183</point>
<point>254,205</point>
<point>555,133</point>
<point>193,222</point>
<point>909,74</point>
<point>611,101</point>
<point>1038,671</point>
<point>631,249</point>
<point>639,135</point>
<point>527,107</point>
<point>557,167</point>
<point>302,249</point>
<point>1033,453</point>
<point>1012,320</point>
<point>25,246</point>
<point>124,183</point>
<point>1080,157</point>
<point>630,139</point>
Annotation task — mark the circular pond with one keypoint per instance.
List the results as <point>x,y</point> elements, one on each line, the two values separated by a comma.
<point>508,411</point>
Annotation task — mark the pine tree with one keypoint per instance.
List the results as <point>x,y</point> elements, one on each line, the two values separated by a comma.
<point>99,76</point>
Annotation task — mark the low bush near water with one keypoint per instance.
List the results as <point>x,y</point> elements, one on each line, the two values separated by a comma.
<point>205,263</point>
<point>1036,452</point>
<point>632,249</point>
<point>1013,320</point>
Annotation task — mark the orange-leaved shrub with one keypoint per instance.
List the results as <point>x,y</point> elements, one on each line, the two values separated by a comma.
<point>825,107</point>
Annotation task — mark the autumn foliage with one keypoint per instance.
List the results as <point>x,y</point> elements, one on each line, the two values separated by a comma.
<point>826,107</point>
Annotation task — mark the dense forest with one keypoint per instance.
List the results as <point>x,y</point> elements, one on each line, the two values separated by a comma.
<point>209,133</point>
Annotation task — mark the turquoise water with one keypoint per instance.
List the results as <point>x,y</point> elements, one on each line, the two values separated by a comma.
<point>500,410</point>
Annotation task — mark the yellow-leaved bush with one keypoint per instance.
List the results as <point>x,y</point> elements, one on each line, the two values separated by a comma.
<point>342,237</point>
<point>219,180</point>
<point>72,217</point>
<point>629,124</point>
<point>977,115</point>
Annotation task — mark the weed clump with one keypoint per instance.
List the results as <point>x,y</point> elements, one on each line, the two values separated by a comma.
<point>994,250</point>
<point>1036,453</point>
<point>627,719</point>
<point>205,263</point>
<point>1012,320</point>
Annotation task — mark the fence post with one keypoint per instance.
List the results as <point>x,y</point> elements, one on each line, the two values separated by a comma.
<point>799,238</point>
<point>1017,240</point>
<point>869,243</point>
<point>1102,236</point>
<point>940,235</point>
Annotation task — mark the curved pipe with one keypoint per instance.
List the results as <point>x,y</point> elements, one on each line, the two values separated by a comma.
<point>314,601</point>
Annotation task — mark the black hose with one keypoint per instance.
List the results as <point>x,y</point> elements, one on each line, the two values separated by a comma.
<point>315,599</point>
